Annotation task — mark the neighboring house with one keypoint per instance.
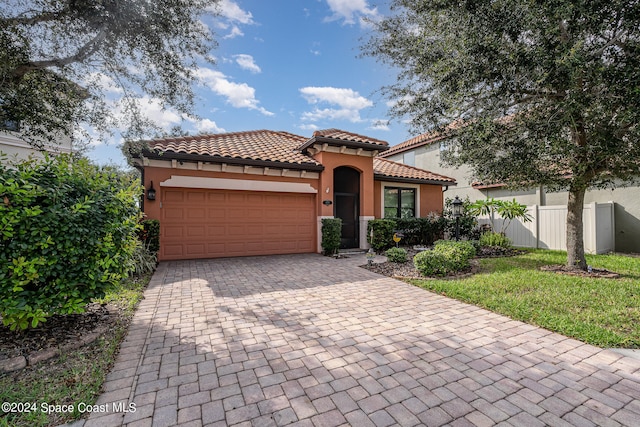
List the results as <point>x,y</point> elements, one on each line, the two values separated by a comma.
<point>423,151</point>
<point>16,148</point>
<point>265,192</point>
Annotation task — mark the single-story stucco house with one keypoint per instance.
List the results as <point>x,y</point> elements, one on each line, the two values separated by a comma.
<point>265,192</point>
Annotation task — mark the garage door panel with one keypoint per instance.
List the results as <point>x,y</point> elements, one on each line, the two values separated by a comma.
<point>221,223</point>
<point>173,196</point>
<point>173,213</point>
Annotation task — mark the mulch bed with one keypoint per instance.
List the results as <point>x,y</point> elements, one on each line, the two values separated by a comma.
<point>594,273</point>
<point>57,332</point>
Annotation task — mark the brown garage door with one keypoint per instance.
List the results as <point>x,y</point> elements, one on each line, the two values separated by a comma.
<point>198,223</point>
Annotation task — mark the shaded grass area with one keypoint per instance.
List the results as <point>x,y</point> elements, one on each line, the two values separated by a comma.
<point>73,377</point>
<point>602,312</point>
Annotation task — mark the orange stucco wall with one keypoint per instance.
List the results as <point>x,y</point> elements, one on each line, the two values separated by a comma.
<point>364,165</point>
<point>430,199</point>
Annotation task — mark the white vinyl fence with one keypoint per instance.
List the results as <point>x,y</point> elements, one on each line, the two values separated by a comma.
<point>548,229</point>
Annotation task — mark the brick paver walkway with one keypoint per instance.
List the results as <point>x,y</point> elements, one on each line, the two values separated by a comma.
<point>311,341</point>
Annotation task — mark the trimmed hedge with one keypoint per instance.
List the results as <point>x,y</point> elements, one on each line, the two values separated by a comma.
<point>383,230</point>
<point>331,232</point>
<point>416,231</point>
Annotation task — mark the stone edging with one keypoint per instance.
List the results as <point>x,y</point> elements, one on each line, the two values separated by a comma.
<point>20,362</point>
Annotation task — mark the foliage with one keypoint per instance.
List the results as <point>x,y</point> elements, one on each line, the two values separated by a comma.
<point>67,232</point>
<point>508,211</point>
<point>468,222</point>
<point>432,263</point>
<point>446,257</point>
<point>58,60</point>
<point>461,251</point>
<point>492,238</point>
<point>150,234</point>
<point>396,255</point>
<point>421,231</point>
<point>143,260</point>
<point>600,312</point>
<point>380,233</point>
<point>75,376</point>
<point>331,232</point>
<point>537,93</point>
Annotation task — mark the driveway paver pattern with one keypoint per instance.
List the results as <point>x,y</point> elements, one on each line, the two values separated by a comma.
<point>306,340</point>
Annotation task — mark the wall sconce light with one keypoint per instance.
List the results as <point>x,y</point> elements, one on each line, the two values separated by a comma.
<point>151,192</point>
<point>327,190</point>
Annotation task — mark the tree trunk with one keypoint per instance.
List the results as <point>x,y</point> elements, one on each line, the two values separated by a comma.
<point>575,235</point>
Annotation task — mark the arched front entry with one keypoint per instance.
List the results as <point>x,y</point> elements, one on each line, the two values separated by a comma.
<point>346,204</point>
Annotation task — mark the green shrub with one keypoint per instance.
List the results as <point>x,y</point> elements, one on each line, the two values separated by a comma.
<point>432,263</point>
<point>396,255</point>
<point>463,249</point>
<point>447,256</point>
<point>67,232</point>
<point>150,234</point>
<point>331,232</point>
<point>383,230</point>
<point>495,239</point>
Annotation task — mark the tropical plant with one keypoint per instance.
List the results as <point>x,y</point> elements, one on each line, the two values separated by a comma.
<point>508,210</point>
<point>533,93</point>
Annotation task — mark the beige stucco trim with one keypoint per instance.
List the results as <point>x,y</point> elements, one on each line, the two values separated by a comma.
<point>237,184</point>
<point>384,184</point>
<point>364,222</point>
<point>228,168</point>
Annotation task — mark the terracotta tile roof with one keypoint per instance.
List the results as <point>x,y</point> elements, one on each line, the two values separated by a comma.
<point>415,142</point>
<point>349,136</point>
<point>393,170</point>
<point>421,140</point>
<point>260,145</point>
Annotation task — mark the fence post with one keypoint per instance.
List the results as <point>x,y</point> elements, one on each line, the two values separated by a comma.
<point>536,225</point>
<point>592,233</point>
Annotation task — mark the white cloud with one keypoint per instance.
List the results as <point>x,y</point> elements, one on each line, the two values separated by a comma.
<point>104,82</point>
<point>231,11</point>
<point>239,95</point>
<point>235,32</point>
<point>231,15</point>
<point>349,10</point>
<point>308,126</point>
<point>208,126</point>
<point>247,62</point>
<point>348,101</point>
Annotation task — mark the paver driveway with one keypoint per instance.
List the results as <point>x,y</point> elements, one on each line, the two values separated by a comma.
<point>314,341</point>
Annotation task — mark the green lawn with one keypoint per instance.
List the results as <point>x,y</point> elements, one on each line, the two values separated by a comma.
<point>602,312</point>
<point>73,377</point>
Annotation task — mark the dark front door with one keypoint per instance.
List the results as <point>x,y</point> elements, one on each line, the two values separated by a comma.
<point>347,204</point>
<point>347,210</point>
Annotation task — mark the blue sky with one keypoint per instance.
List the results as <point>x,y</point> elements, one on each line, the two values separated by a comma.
<point>287,65</point>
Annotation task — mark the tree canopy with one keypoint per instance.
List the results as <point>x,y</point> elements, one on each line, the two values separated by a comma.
<point>540,92</point>
<point>59,60</point>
